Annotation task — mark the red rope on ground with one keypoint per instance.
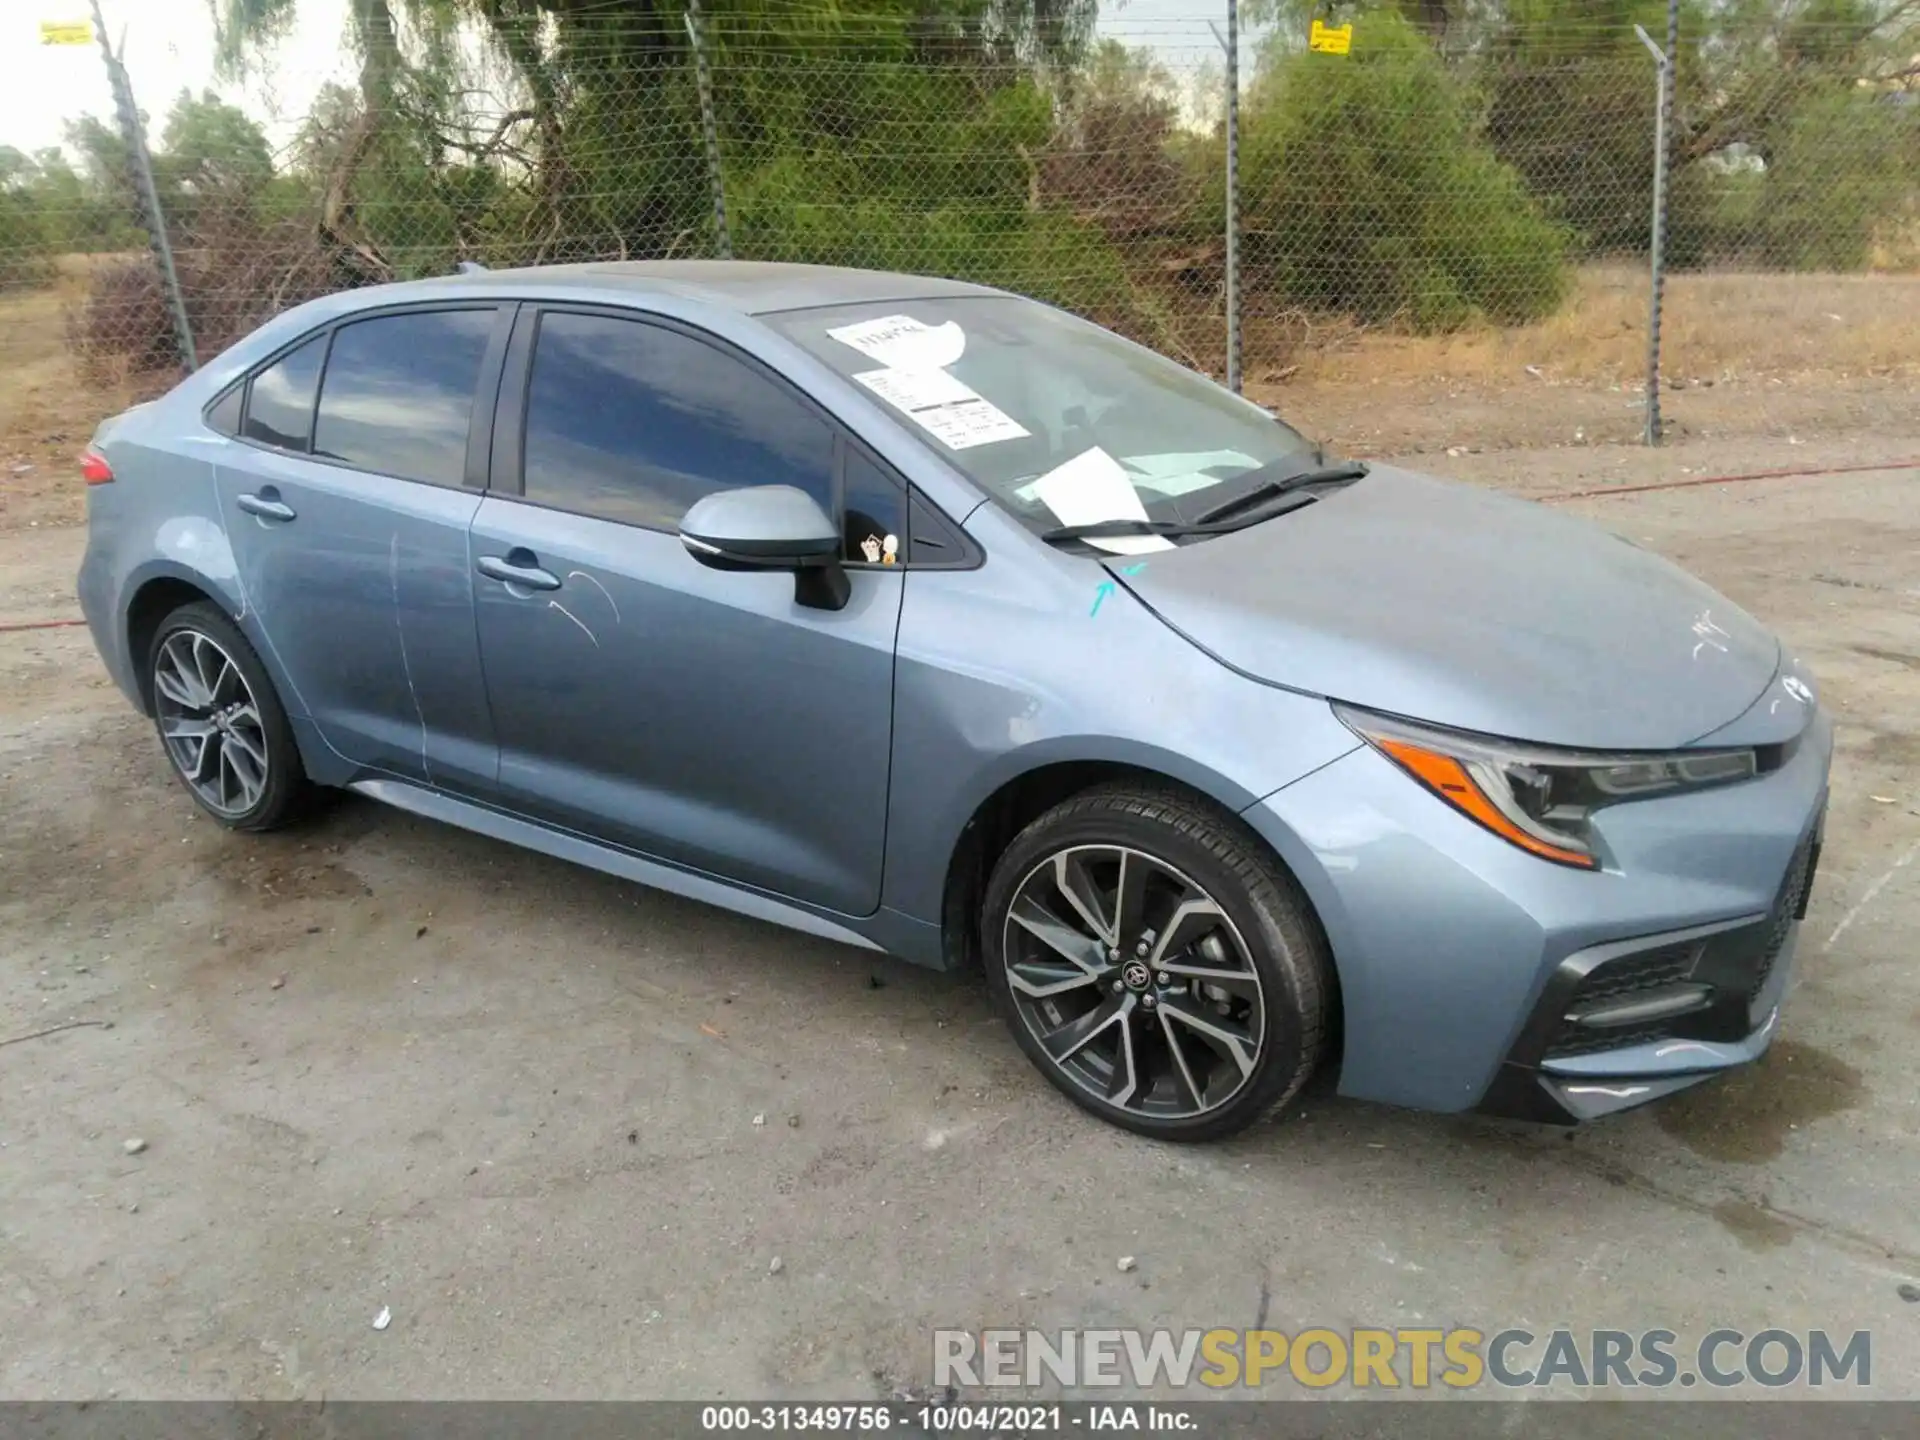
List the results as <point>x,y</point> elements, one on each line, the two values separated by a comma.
<point>38,624</point>
<point>1734,479</point>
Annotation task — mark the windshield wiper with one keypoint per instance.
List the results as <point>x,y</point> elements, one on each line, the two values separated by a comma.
<point>1099,529</point>
<point>1345,471</point>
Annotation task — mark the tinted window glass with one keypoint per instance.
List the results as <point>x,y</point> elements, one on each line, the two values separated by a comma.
<point>635,422</point>
<point>876,513</point>
<point>399,393</point>
<point>225,415</point>
<point>280,400</point>
<point>933,539</point>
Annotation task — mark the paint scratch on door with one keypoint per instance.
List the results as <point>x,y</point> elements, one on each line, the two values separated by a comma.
<point>556,605</point>
<point>583,575</point>
<point>406,665</point>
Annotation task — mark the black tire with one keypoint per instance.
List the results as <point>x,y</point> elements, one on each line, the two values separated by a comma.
<point>1270,924</point>
<point>284,789</point>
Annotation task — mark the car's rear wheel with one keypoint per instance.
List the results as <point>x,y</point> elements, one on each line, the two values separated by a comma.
<point>221,723</point>
<point>1156,963</point>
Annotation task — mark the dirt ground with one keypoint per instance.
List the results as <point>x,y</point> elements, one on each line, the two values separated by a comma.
<point>561,1126</point>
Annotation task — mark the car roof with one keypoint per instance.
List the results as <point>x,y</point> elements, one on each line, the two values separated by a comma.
<point>753,287</point>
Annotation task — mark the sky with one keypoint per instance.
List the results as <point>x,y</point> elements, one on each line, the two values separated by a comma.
<point>169,44</point>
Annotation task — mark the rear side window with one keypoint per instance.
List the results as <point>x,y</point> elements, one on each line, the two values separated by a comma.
<point>634,422</point>
<point>280,400</point>
<point>398,393</point>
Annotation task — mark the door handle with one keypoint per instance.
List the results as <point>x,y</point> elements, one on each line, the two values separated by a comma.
<point>529,576</point>
<point>267,505</point>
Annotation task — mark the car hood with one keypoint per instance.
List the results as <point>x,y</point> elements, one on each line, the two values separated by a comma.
<point>1463,607</point>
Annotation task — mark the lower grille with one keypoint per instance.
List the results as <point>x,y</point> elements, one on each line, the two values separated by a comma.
<point>1788,907</point>
<point>1731,968</point>
<point>1632,974</point>
<point>1629,977</point>
<point>1583,1040</point>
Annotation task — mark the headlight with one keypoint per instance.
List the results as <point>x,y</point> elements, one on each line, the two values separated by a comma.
<point>1538,798</point>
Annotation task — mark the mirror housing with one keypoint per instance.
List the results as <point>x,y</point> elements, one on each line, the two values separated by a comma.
<point>770,527</point>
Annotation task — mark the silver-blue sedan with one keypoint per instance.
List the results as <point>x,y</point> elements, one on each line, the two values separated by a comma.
<point>934,620</point>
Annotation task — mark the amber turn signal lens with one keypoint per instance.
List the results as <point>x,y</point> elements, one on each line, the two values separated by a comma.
<point>1448,779</point>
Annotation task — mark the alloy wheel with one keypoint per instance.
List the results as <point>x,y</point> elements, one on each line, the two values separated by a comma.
<point>1136,984</point>
<point>210,722</point>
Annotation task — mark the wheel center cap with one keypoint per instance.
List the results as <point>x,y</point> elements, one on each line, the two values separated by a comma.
<point>1135,975</point>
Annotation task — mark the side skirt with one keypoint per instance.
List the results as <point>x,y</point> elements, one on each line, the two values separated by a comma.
<point>563,846</point>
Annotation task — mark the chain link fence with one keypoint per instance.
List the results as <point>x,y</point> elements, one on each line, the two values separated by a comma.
<point>1460,170</point>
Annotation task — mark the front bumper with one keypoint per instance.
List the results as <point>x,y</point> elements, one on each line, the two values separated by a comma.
<point>1619,1025</point>
<point>1474,976</point>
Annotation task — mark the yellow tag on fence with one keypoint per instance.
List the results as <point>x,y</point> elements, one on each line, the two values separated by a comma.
<point>1330,39</point>
<point>66,32</point>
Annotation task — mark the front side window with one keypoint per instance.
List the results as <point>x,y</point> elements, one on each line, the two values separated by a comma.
<point>398,393</point>
<point>1060,421</point>
<point>280,400</point>
<point>634,422</point>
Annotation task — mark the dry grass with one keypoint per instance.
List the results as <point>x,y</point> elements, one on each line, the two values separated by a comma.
<point>1714,327</point>
<point>47,411</point>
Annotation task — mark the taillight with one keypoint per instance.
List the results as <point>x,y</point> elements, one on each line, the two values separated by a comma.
<point>94,468</point>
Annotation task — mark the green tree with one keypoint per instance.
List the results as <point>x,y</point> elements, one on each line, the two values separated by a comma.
<point>213,147</point>
<point>602,145</point>
<point>1368,187</point>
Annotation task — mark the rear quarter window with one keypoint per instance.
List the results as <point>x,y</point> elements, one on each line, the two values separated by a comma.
<point>398,393</point>
<point>280,399</point>
<point>225,413</point>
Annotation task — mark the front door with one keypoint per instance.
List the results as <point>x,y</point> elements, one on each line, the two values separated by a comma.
<point>638,697</point>
<point>349,522</point>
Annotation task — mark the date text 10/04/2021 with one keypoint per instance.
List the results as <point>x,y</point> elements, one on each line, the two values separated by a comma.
<point>908,1418</point>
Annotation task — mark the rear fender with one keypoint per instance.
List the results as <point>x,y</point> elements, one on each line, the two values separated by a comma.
<point>194,550</point>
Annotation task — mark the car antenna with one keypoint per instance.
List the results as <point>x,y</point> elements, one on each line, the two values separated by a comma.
<point>469,267</point>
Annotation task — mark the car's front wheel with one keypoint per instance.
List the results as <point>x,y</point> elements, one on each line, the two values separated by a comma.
<point>1156,963</point>
<point>221,723</point>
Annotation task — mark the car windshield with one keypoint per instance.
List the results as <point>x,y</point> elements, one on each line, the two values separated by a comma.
<point>1061,422</point>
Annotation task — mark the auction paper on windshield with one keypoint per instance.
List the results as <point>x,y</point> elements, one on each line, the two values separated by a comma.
<point>901,342</point>
<point>945,407</point>
<point>1091,487</point>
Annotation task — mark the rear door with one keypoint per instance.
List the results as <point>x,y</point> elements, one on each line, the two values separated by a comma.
<point>347,504</point>
<point>699,716</point>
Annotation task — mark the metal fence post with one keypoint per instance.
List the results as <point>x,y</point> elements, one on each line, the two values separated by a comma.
<point>1662,115</point>
<point>709,129</point>
<point>152,217</point>
<point>1233,196</point>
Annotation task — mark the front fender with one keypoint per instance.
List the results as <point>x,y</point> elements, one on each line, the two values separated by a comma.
<point>1001,671</point>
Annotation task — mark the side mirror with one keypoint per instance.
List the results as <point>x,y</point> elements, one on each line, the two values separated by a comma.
<point>770,527</point>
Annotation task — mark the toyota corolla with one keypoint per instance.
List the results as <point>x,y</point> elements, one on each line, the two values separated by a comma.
<point>931,619</point>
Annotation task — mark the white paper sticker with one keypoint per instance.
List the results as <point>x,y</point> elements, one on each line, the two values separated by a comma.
<point>901,342</point>
<point>912,390</point>
<point>946,408</point>
<point>1181,473</point>
<point>1093,487</point>
<point>971,423</point>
